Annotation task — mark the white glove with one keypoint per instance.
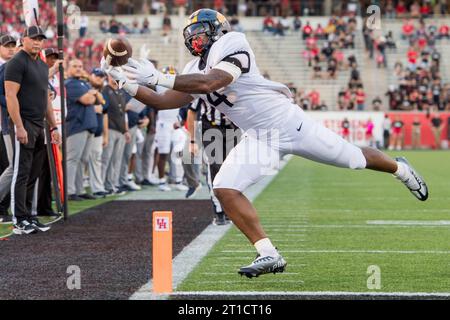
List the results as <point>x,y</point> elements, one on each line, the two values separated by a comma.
<point>145,73</point>
<point>104,65</point>
<point>129,85</point>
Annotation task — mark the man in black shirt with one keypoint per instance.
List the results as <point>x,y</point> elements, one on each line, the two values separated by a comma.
<point>28,102</point>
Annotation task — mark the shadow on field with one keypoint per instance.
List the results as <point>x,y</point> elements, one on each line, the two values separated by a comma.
<point>111,244</point>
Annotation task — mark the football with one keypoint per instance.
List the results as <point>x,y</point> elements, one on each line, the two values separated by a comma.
<point>117,52</point>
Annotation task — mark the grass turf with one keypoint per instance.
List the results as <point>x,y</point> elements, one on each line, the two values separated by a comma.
<point>74,208</point>
<point>317,216</point>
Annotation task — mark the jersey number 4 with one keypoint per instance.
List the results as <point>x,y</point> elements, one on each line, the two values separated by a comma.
<point>215,99</point>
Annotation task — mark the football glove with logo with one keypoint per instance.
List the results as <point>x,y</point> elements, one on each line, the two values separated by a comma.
<point>145,73</point>
<point>129,85</point>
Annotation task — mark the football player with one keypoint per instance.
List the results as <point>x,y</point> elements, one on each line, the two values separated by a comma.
<point>170,142</point>
<point>225,75</point>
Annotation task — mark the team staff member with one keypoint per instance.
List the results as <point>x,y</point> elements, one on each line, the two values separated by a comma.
<point>97,80</point>
<point>116,100</point>
<point>191,162</point>
<point>136,121</point>
<point>28,102</point>
<point>7,51</point>
<point>81,124</point>
<point>44,193</point>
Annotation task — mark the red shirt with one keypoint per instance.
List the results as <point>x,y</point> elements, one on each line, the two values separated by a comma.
<point>315,97</point>
<point>444,29</point>
<point>400,8</point>
<point>360,97</point>
<point>425,9</point>
<point>408,28</point>
<point>307,29</point>
<point>412,56</point>
<point>422,42</point>
<point>311,42</point>
<point>314,51</point>
<point>268,22</point>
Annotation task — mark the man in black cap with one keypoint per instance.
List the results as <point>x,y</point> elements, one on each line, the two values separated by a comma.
<point>7,51</point>
<point>97,80</point>
<point>28,102</point>
<point>42,204</point>
<point>7,48</point>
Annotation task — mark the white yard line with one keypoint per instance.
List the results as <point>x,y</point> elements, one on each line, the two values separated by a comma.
<point>410,222</point>
<point>334,251</point>
<point>300,294</point>
<point>370,226</point>
<point>192,254</point>
<point>239,280</point>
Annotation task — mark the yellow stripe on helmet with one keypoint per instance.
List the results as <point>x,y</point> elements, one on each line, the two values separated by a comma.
<point>194,17</point>
<point>220,17</point>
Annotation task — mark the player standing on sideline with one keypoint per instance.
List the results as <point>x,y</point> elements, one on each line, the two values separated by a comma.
<point>28,102</point>
<point>225,74</point>
<point>170,143</point>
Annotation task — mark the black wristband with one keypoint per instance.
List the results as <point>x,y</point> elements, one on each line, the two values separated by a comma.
<point>53,129</point>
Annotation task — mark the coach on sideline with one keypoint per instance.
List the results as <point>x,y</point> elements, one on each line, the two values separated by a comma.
<point>81,123</point>
<point>28,102</point>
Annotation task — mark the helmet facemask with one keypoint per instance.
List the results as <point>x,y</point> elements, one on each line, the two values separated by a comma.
<point>197,44</point>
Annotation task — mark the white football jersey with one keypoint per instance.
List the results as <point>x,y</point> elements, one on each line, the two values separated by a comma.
<point>251,101</point>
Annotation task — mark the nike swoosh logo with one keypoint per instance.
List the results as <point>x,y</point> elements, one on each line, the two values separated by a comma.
<point>300,128</point>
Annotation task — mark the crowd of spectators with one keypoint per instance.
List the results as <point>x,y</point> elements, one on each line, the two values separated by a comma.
<point>325,46</point>
<point>77,44</point>
<point>414,9</point>
<point>420,85</point>
<point>116,27</point>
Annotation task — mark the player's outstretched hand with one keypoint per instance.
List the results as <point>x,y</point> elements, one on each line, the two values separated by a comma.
<point>104,65</point>
<point>143,71</point>
<point>118,75</point>
<point>129,85</point>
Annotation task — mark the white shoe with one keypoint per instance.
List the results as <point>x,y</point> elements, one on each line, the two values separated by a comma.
<point>180,187</point>
<point>263,265</point>
<point>164,187</point>
<point>414,182</point>
<point>153,180</point>
<point>133,186</point>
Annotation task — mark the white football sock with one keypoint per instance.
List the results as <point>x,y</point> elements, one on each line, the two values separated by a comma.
<point>402,171</point>
<point>266,248</point>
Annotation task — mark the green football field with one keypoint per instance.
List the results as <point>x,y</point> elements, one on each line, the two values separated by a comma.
<point>331,225</point>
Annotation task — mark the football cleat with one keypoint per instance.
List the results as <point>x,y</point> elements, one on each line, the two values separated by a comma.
<point>263,265</point>
<point>414,182</point>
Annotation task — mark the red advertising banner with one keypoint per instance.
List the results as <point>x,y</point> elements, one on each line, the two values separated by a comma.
<point>427,139</point>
